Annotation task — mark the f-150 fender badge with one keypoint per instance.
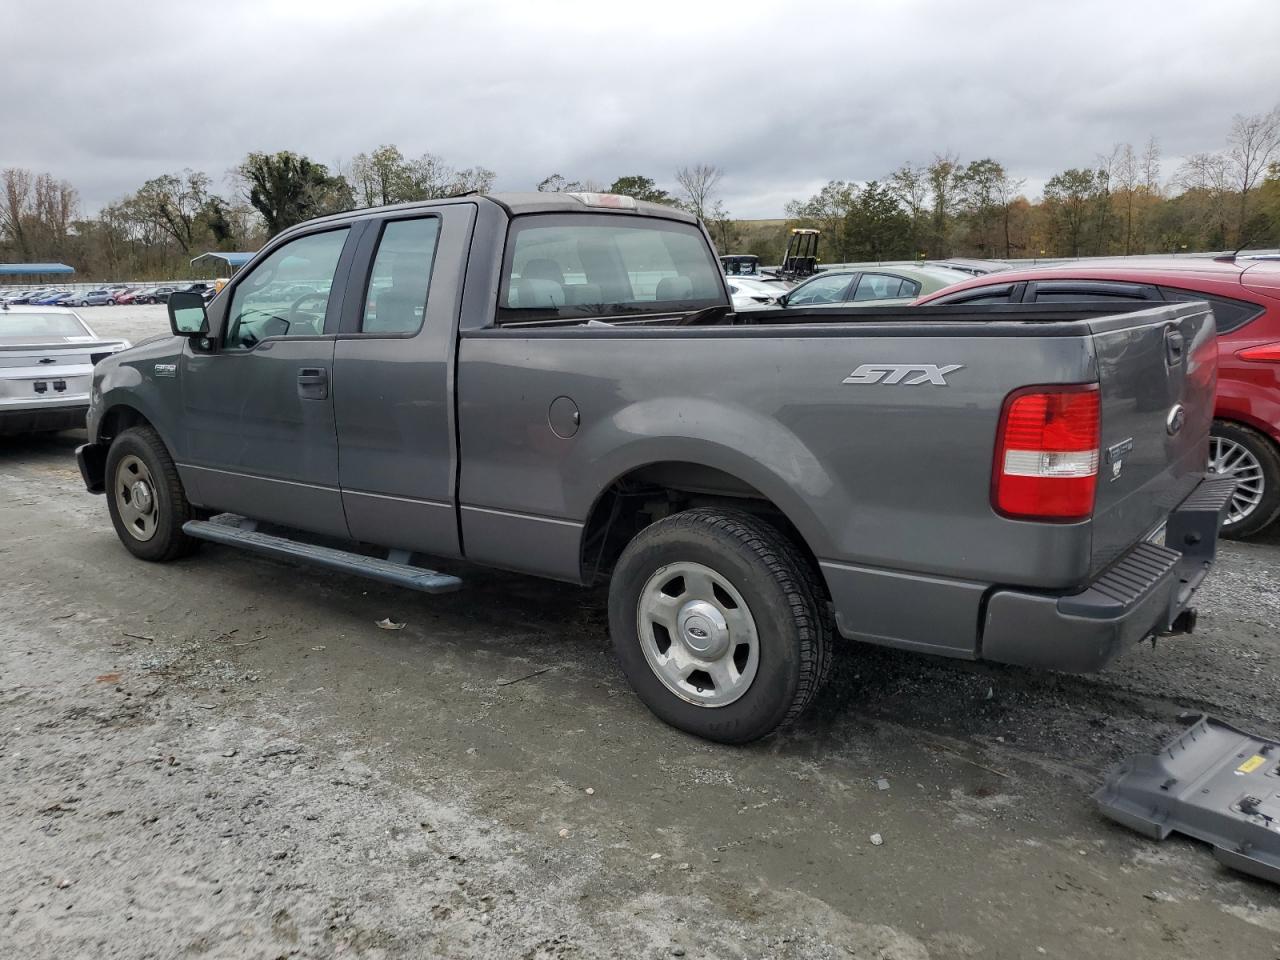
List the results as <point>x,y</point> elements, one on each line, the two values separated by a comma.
<point>1115,456</point>
<point>908,374</point>
<point>166,369</point>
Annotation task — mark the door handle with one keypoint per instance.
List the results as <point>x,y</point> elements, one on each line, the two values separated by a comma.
<point>313,383</point>
<point>1173,346</point>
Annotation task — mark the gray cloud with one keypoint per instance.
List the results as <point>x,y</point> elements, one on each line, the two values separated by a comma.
<point>782,97</point>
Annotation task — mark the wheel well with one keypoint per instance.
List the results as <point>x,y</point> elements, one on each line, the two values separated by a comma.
<point>649,493</point>
<point>117,420</point>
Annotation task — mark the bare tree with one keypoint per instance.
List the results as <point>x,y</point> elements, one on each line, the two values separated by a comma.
<point>1206,179</point>
<point>945,177</point>
<point>909,185</point>
<point>1252,144</point>
<point>1126,181</point>
<point>14,212</point>
<point>698,183</point>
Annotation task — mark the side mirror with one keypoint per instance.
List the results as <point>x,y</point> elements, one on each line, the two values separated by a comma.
<point>187,317</point>
<point>782,300</point>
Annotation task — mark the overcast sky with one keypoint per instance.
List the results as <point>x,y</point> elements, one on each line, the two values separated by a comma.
<point>782,95</point>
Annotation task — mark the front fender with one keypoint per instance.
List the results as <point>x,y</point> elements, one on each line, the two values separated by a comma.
<point>145,380</point>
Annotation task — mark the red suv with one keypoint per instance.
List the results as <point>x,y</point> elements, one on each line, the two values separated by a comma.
<point>1245,295</point>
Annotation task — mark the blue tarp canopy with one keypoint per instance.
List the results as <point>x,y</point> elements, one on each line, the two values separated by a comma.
<point>233,260</point>
<point>24,269</point>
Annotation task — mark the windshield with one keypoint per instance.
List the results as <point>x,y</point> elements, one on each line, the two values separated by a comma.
<point>575,266</point>
<point>41,327</point>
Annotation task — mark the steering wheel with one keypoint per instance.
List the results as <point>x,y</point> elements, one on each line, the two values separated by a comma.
<point>295,317</point>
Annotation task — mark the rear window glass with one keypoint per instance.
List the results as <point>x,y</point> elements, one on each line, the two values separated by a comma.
<point>40,326</point>
<point>575,266</point>
<point>1228,313</point>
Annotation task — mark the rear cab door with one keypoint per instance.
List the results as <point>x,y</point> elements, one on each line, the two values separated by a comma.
<point>393,379</point>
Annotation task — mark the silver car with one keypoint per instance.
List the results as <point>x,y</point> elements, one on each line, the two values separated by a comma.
<point>47,355</point>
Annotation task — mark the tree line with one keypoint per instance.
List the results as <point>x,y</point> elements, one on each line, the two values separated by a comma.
<point>1120,204</point>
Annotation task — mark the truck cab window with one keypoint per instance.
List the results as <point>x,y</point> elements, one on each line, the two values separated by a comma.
<point>576,267</point>
<point>397,297</point>
<point>287,294</point>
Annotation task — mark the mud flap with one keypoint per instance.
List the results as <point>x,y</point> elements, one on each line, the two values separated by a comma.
<point>1214,783</point>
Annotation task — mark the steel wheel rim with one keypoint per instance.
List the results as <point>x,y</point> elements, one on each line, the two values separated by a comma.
<point>697,634</point>
<point>135,494</point>
<point>1230,459</point>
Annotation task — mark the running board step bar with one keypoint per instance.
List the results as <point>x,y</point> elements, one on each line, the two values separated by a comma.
<point>235,531</point>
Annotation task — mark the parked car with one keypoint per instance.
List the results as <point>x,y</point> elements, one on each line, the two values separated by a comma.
<point>90,298</point>
<point>749,293</point>
<point>47,298</point>
<point>1245,295</point>
<point>881,286</point>
<point>17,296</point>
<point>126,295</point>
<point>48,355</point>
<point>577,400</point>
<point>154,295</point>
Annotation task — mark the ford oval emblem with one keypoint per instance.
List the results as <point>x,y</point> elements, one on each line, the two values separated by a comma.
<point>1177,417</point>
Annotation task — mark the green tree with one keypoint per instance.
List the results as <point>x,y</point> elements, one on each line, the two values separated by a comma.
<point>877,228</point>
<point>642,188</point>
<point>286,189</point>
<point>1070,198</point>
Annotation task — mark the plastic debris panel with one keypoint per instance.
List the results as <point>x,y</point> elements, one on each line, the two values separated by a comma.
<point>1213,782</point>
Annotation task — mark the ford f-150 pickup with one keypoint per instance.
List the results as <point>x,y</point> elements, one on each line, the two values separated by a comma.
<point>557,384</point>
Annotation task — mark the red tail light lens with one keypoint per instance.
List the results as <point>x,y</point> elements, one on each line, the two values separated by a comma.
<point>1046,464</point>
<point>1264,351</point>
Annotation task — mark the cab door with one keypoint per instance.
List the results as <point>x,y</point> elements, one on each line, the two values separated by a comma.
<point>260,438</point>
<point>393,380</point>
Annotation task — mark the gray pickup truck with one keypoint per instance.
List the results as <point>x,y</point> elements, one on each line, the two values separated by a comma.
<point>556,384</point>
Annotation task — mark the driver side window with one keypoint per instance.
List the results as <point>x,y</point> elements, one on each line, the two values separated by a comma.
<point>287,294</point>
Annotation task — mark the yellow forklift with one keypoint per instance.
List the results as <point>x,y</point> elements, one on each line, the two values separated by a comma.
<point>801,258</point>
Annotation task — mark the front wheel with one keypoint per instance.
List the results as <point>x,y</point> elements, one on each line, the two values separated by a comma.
<point>1252,460</point>
<point>145,497</point>
<point>718,623</point>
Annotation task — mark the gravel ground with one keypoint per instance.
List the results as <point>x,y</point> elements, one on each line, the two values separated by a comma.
<point>226,757</point>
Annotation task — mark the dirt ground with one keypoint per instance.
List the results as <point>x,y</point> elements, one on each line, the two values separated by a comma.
<point>225,757</point>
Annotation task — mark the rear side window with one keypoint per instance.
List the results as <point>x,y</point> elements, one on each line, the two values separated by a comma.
<point>1228,313</point>
<point>1089,292</point>
<point>882,286</point>
<point>401,277</point>
<point>574,266</point>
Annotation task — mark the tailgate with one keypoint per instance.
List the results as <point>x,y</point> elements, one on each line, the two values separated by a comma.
<point>1157,371</point>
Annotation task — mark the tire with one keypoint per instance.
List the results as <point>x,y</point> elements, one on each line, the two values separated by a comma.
<point>83,303</point>
<point>1241,451</point>
<point>148,522</point>
<point>771,624</point>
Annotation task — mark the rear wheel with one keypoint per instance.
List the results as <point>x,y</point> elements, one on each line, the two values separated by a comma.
<point>1240,452</point>
<point>145,497</point>
<point>717,621</point>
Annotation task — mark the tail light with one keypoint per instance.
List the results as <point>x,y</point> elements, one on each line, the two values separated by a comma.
<point>1265,351</point>
<point>1046,464</point>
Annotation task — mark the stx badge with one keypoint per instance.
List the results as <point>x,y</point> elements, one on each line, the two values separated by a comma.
<point>908,374</point>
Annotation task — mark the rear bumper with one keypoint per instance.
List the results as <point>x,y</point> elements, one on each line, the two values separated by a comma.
<point>1138,596</point>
